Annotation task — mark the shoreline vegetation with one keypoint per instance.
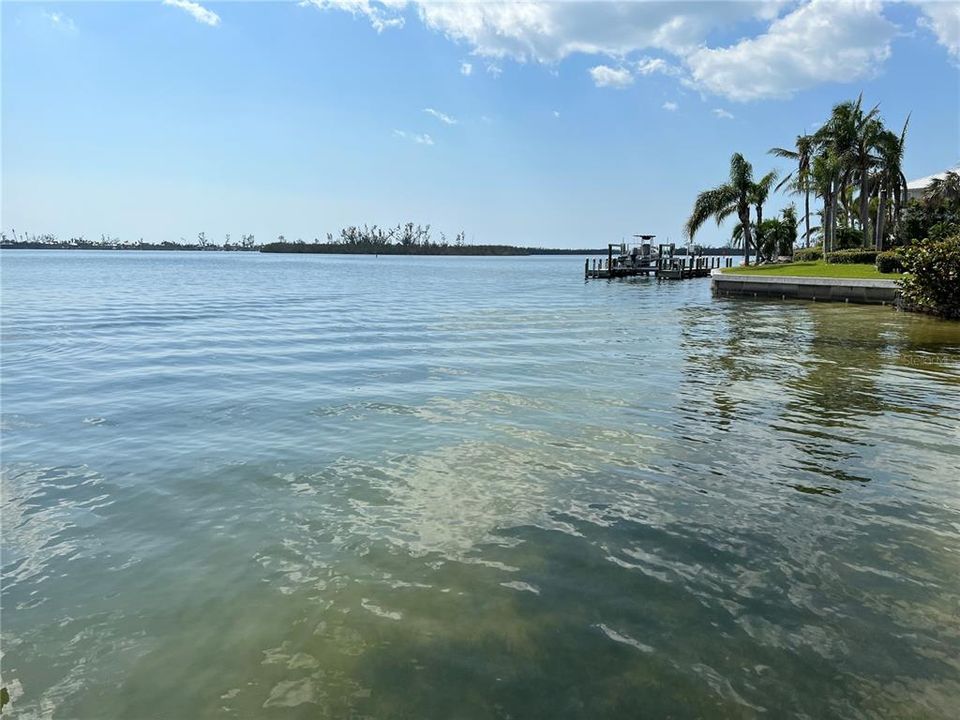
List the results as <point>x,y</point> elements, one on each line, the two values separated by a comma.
<point>871,225</point>
<point>404,239</point>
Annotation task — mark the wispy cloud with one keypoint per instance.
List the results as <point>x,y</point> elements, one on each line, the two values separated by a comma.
<point>606,76</point>
<point>556,113</point>
<point>649,65</point>
<point>723,114</point>
<point>420,139</point>
<point>494,69</point>
<point>442,117</point>
<point>382,15</point>
<point>671,106</point>
<point>197,11</point>
<point>60,21</point>
<point>466,68</point>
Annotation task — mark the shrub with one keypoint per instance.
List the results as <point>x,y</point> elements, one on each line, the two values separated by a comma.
<point>855,256</point>
<point>809,254</point>
<point>931,280</point>
<point>847,238</point>
<point>889,261</point>
<point>921,220</point>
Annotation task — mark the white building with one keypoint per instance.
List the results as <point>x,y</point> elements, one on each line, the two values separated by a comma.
<point>916,187</point>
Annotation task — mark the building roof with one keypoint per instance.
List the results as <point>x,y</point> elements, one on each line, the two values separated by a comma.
<point>921,183</point>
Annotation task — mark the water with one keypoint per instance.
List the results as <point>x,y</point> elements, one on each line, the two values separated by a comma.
<point>249,486</point>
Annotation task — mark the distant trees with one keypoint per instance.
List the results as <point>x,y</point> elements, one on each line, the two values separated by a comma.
<point>405,238</point>
<point>25,240</point>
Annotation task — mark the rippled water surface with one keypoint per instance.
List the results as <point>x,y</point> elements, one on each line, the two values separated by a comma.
<point>252,486</point>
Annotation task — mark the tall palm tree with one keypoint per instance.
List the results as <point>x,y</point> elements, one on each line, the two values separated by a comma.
<point>890,180</point>
<point>868,132</point>
<point>826,174</point>
<point>732,197</point>
<point>801,177</point>
<point>852,135</point>
<point>759,195</point>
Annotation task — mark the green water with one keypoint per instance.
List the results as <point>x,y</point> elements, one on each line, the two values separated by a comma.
<point>249,486</point>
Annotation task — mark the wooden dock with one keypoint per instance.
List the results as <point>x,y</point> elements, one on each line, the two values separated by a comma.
<point>667,268</point>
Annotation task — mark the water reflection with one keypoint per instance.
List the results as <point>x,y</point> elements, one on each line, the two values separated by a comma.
<point>506,495</point>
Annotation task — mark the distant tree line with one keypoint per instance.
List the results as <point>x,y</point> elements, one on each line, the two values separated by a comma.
<point>27,241</point>
<point>404,239</point>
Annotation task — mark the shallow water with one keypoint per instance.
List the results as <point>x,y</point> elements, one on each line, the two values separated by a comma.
<point>254,486</point>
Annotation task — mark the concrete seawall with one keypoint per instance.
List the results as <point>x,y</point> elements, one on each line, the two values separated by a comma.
<point>880,292</point>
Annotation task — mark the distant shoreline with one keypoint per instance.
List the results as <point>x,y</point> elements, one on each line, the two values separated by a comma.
<point>341,249</point>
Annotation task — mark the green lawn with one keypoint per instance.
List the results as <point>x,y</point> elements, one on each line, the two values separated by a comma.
<point>817,269</point>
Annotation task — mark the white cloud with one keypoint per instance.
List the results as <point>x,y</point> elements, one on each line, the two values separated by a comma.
<point>196,10</point>
<point>442,117</point>
<point>60,21</point>
<point>943,20</point>
<point>556,113</point>
<point>648,66</point>
<point>466,68</point>
<point>671,106</point>
<point>420,139</point>
<point>606,76</point>
<point>822,41</point>
<point>722,114</point>
<point>801,43</point>
<point>382,15</point>
<point>551,31</point>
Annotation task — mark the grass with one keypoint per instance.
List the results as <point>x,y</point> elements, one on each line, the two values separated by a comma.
<point>817,268</point>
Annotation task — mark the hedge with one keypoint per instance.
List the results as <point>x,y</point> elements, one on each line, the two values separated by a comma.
<point>889,261</point>
<point>856,256</point>
<point>848,239</point>
<point>809,254</point>
<point>931,280</point>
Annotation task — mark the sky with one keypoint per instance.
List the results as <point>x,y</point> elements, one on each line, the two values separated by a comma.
<point>554,124</point>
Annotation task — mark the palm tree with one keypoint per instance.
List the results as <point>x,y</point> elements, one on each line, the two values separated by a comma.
<point>732,197</point>
<point>890,179</point>
<point>943,190</point>
<point>869,128</point>
<point>759,195</point>
<point>826,173</point>
<point>801,177</point>
<point>790,222</point>
<point>837,142</point>
<point>855,138</point>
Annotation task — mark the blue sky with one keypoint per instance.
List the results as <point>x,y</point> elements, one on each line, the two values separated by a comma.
<point>555,124</point>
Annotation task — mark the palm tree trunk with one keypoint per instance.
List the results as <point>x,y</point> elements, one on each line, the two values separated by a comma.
<point>760,255</point>
<point>806,214</point>
<point>747,235</point>
<point>865,202</point>
<point>828,227</point>
<point>898,202</point>
<point>881,218</point>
